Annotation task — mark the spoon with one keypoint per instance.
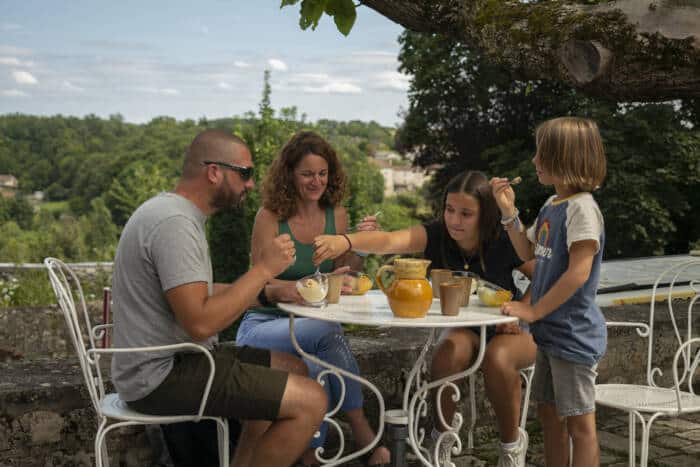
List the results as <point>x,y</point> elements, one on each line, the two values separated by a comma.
<point>515,181</point>
<point>375,215</point>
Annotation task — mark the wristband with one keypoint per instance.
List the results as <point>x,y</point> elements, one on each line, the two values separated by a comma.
<point>349,242</point>
<point>510,219</point>
<point>515,222</point>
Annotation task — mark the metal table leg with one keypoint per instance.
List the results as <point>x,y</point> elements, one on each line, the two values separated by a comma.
<point>339,458</point>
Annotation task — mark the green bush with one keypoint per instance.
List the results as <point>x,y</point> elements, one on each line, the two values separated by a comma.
<point>32,288</point>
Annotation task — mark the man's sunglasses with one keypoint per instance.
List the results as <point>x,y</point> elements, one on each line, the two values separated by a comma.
<point>245,172</point>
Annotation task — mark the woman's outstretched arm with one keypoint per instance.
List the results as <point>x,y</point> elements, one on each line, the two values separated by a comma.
<point>411,240</point>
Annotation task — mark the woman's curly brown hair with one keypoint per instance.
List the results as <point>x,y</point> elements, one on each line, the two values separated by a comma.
<point>279,192</point>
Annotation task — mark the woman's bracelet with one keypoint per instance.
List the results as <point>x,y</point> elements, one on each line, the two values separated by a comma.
<point>349,242</point>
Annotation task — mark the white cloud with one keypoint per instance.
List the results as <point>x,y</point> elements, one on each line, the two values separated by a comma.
<point>24,77</point>
<point>12,50</point>
<point>13,93</point>
<point>317,77</point>
<point>72,87</point>
<point>160,91</point>
<point>223,85</point>
<point>335,87</point>
<point>277,65</point>
<point>322,83</point>
<point>11,61</point>
<point>241,64</point>
<point>392,80</point>
<point>374,57</point>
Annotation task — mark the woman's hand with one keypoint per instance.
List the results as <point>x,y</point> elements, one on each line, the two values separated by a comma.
<point>368,224</point>
<point>504,195</point>
<point>329,247</point>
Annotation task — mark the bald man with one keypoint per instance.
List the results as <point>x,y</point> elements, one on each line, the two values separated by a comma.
<point>163,293</point>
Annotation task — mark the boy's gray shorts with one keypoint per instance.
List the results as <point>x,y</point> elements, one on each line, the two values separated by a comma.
<point>568,385</point>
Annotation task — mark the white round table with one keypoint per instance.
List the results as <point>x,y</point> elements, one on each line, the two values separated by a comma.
<point>373,309</point>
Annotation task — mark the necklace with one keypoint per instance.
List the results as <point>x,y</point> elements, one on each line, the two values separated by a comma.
<point>465,259</point>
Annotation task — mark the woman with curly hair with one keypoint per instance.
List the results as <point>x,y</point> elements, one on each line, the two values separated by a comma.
<point>302,195</point>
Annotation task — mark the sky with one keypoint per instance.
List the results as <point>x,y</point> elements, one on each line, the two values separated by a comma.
<point>194,59</point>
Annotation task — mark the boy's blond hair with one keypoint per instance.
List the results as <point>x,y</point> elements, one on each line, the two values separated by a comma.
<point>571,148</point>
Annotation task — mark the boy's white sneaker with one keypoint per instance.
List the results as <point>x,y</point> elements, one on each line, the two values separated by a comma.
<point>515,457</point>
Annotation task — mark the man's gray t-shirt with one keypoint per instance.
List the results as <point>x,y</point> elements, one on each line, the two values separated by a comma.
<point>162,246</point>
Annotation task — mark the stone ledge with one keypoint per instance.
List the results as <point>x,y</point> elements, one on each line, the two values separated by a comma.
<point>46,418</point>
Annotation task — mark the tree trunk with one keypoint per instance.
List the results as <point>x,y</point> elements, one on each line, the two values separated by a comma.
<point>625,50</point>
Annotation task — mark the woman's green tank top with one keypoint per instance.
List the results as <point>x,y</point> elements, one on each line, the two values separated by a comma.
<point>303,266</point>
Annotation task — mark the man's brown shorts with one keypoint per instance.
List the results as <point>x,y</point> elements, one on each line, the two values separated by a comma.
<point>244,386</point>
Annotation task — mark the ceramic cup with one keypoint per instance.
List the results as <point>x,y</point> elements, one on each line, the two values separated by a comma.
<point>437,277</point>
<point>451,297</point>
<point>335,284</point>
<point>470,281</point>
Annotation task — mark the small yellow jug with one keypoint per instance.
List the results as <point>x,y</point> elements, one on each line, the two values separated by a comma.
<point>408,291</point>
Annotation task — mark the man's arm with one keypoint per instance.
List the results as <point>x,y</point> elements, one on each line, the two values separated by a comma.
<point>203,316</point>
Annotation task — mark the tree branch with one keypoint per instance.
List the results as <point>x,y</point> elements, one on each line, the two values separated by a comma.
<point>622,50</point>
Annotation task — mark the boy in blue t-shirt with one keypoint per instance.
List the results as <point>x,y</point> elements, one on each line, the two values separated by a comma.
<point>567,242</point>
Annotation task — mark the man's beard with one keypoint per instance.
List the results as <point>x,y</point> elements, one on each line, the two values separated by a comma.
<point>226,198</point>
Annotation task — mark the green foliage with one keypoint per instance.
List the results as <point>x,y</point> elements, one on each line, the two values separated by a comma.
<point>344,13</point>
<point>229,245</point>
<point>135,184</point>
<point>31,287</point>
<point>101,170</point>
<point>100,232</point>
<point>466,113</point>
<point>16,209</point>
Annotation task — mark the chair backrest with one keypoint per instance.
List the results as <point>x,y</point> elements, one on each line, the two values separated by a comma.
<point>666,291</point>
<point>71,301</point>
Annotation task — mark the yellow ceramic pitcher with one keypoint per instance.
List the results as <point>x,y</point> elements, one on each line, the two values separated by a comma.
<point>408,291</point>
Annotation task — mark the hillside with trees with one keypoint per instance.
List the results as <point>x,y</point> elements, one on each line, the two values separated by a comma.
<point>94,172</point>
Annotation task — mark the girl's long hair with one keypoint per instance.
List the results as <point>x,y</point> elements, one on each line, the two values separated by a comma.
<point>475,184</point>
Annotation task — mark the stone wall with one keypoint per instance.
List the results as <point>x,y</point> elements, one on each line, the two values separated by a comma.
<point>46,418</point>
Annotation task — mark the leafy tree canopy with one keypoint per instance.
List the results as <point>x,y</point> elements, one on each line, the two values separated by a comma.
<point>467,113</point>
<point>619,49</point>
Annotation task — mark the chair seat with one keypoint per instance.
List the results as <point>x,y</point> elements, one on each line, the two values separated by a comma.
<point>113,407</point>
<point>644,398</point>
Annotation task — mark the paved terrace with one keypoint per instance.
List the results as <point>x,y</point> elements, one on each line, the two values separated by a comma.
<point>45,419</point>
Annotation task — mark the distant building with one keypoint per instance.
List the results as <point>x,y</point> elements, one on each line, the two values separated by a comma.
<point>399,179</point>
<point>387,155</point>
<point>8,186</point>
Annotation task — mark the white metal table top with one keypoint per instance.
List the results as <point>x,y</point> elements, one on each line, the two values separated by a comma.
<point>372,309</point>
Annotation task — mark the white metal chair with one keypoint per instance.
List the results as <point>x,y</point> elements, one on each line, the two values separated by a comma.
<point>526,374</point>
<point>647,402</point>
<point>111,411</point>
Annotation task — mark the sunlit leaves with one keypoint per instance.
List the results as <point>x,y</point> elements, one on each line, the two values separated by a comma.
<point>343,12</point>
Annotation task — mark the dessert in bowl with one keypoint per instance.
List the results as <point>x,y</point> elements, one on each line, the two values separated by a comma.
<point>313,289</point>
<point>359,282</point>
<point>493,295</point>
